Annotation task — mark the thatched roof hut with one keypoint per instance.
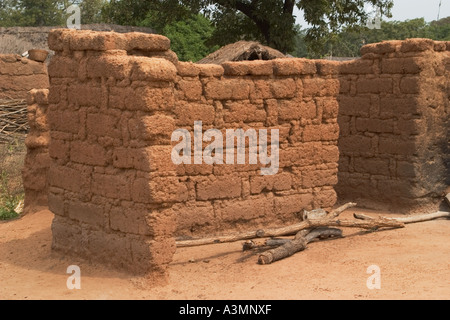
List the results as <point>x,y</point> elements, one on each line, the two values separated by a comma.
<point>241,51</point>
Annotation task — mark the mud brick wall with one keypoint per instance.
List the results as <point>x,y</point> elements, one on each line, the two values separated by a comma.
<point>296,97</point>
<point>37,160</point>
<point>394,125</point>
<point>107,117</point>
<point>114,102</point>
<point>19,75</point>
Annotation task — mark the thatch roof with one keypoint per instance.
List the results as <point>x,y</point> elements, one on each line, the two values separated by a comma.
<point>240,51</point>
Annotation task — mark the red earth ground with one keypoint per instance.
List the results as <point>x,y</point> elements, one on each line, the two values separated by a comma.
<point>414,263</point>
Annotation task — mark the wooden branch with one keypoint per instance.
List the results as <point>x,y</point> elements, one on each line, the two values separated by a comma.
<point>296,245</point>
<point>447,199</point>
<point>335,213</point>
<point>252,244</point>
<point>285,231</point>
<point>409,219</point>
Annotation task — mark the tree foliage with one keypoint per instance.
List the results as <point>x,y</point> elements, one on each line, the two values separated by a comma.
<point>348,42</point>
<point>31,13</point>
<point>190,38</point>
<point>270,21</point>
<point>36,13</point>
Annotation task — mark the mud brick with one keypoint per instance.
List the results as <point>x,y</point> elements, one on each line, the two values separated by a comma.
<point>192,215</point>
<point>356,143</point>
<point>294,66</point>
<point>278,182</point>
<point>296,110</point>
<point>222,187</point>
<point>291,204</point>
<point>411,127</point>
<point>190,89</point>
<point>159,190</point>
<point>152,69</point>
<point>151,127</point>
<point>410,85</point>
<point>374,125</point>
<point>283,88</point>
<point>103,125</point>
<point>325,67</point>
<point>354,106</point>
<point>397,146</point>
<point>130,218</point>
<point>111,186</point>
<point>87,213</point>
<point>147,42</point>
<point>381,48</point>
<point>329,108</point>
<point>65,121</point>
<point>85,95</point>
<point>245,210</point>
<point>243,111</point>
<point>372,166</point>
<point>407,169</point>
<point>187,113</point>
<point>187,69</point>
<point>417,45</point>
<point>116,66</point>
<point>63,67</point>
<point>393,107</point>
<point>59,149</point>
<point>56,204</point>
<point>375,85</point>
<point>87,153</point>
<point>323,132</point>
<point>243,68</point>
<point>67,178</point>
<point>320,87</point>
<point>357,67</point>
<point>210,70</point>
<point>227,89</point>
<point>401,65</point>
<point>326,198</point>
<point>261,90</point>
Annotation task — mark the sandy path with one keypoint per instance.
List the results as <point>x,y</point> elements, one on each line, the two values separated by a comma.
<point>414,264</point>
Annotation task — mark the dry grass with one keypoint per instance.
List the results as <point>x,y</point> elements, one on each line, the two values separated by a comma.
<point>12,157</point>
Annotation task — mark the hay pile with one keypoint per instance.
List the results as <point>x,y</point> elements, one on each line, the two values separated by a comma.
<point>241,51</point>
<point>13,118</point>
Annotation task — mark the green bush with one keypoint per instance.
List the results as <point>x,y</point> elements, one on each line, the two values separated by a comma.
<point>12,155</point>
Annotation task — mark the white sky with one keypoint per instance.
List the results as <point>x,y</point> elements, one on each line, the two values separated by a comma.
<point>408,9</point>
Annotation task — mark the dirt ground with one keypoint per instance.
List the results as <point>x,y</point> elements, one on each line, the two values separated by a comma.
<point>414,263</point>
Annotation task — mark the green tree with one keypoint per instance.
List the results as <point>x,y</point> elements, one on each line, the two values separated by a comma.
<point>348,42</point>
<point>32,13</point>
<point>271,21</point>
<point>47,12</point>
<point>91,10</point>
<point>189,38</point>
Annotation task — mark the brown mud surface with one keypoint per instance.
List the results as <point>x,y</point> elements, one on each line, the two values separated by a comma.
<point>414,263</point>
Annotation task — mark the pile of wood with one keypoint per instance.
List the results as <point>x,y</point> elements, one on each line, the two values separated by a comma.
<point>273,249</point>
<point>13,118</point>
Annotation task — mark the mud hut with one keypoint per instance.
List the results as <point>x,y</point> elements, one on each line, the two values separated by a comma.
<point>241,51</point>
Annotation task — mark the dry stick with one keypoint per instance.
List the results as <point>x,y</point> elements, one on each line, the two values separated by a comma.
<point>284,231</point>
<point>294,246</point>
<point>251,244</point>
<point>410,219</point>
